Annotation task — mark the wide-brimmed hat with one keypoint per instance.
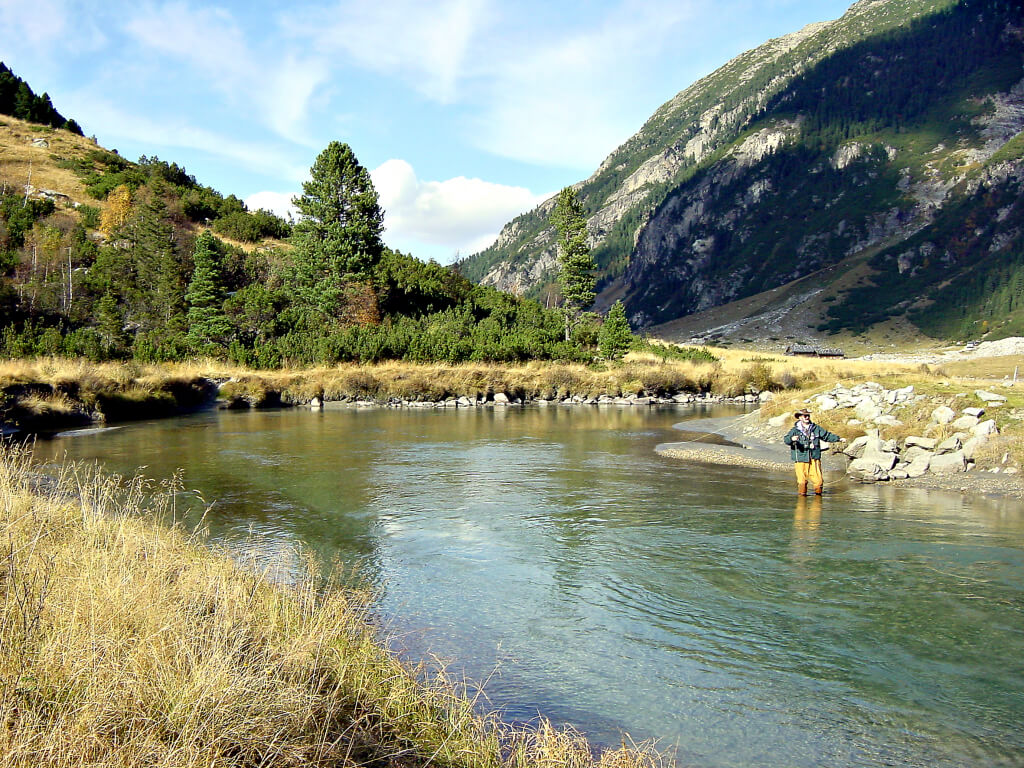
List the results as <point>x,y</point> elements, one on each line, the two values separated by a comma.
<point>801,412</point>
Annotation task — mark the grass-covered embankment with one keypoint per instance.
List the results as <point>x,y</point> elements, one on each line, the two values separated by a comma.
<point>126,642</point>
<point>51,393</point>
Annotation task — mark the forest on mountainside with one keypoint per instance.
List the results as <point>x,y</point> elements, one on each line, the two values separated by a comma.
<point>17,99</point>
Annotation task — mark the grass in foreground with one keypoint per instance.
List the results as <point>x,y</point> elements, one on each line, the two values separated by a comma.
<point>124,642</point>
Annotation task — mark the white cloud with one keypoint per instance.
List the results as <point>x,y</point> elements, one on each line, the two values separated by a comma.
<point>563,100</point>
<point>277,88</point>
<point>460,214</point>
<point>423,44</point>
<point>275,202</point>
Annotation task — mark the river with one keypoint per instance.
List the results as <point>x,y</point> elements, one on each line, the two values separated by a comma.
<point>551,555</point>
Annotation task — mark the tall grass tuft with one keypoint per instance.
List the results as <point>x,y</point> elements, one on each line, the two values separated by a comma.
<point>126,640</point>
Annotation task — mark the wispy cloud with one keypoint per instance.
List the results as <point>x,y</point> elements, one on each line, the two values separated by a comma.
<point>422,44</point>
<point>114,122</point>
<point>461,213</point>
<point>275,88</point>
<point>560,100</point>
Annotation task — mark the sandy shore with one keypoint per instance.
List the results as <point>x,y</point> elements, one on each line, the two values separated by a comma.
<point>747,441</point>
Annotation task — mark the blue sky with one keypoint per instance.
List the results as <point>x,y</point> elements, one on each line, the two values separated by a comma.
<point>466,112</point>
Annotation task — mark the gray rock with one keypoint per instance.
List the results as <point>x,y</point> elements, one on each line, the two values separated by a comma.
<point>943,414</point>
<point>865,469</point>
<point>856,449</point>
<point>972,445</point>
<point>826,403</point>
<point>867,410</point>
<point>949,445</point>
<point>989,397</point>
<point>887,420</point>
<point>765,397</point>
<point>987,427</point>
<point>965,422</point>
<point>898,474</point>
<point>779,421</point>
<point>919,465</point>
<point>464,402</point>
<point>979,412</point>
<point>928,443</point>
<point>911,453</point>
<point>500,398</point>
<point>948,463</point>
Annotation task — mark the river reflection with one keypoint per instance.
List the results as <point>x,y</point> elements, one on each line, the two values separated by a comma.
<point>553,553</point>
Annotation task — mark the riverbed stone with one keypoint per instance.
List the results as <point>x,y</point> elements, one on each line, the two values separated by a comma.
<point>500,398</point>
<point>855,449</point>
<point>948,463</point>
<point>949,445</point>
<point>865,469</point>
<point>943,414</point>
<point>920,464</point>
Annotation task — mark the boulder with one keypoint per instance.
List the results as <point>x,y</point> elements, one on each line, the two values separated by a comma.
<point>919,465</point>
<point>972,445</point>
<point>826,403</point>
<point>989,397</point>
<point>964,422</point>
<point>464,402</point>
<point>928,443</point>
<point>765,397</point>
<point>865,469</point>
<point>984,428</point>
<point>949,445</point>
<point>913,452</point>
<point>943,414</point>
<point>867,410</point>
<point>887,420</point>
<point>979,412</point>
<point>500,398</point>
<point>948,463</point>
<point>856,449</point>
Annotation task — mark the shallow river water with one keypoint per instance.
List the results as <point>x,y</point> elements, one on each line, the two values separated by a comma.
<point>552,555</point>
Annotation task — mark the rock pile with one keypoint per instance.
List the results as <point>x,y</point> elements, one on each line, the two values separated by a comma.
<point>875,459</point>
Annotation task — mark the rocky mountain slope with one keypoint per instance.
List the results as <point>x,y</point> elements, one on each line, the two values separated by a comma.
<point>880,153</point>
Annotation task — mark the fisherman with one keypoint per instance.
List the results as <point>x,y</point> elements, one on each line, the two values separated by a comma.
<point>804,441</point>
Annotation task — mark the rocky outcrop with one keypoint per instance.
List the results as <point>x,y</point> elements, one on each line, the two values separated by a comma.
<point>875,459</point>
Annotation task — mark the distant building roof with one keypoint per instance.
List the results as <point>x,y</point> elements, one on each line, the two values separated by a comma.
<point>813,351</point>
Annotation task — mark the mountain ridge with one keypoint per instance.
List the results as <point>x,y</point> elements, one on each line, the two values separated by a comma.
<point>873,151</point>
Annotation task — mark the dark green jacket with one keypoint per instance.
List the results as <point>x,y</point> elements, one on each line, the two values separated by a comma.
<point>800,449</point>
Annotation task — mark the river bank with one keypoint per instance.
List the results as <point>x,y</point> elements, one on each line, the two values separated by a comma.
<point>127,640</point>
<point>750,440</point>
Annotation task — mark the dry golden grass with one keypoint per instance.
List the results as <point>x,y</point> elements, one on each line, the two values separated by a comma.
<point>18,157</point>
<point>124,642</point>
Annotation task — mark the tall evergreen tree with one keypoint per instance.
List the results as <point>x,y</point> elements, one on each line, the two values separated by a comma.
<point>576,265</point>
<point>208,326</point>
<point>615,336</point>
<point>338,238</point>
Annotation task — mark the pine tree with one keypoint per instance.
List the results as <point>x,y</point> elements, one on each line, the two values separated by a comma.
<point>338,238</point>
<point>615,336</point>
<point>208,326</point>
<point>576,265</point>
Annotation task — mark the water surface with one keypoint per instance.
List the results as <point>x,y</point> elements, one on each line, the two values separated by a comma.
<point>554,555</point>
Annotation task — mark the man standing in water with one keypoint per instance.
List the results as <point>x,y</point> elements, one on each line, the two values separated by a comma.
<point>804,441</point>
